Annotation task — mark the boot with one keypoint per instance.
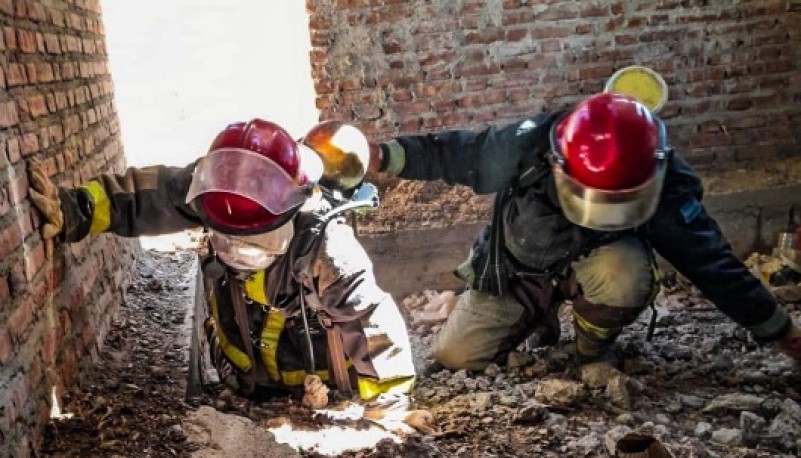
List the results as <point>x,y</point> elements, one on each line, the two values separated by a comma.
<point>547,331</point>
<point>590,351</point>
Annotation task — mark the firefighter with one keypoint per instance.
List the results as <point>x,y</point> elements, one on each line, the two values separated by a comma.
<point>584,198</point>
<point>290,293</point>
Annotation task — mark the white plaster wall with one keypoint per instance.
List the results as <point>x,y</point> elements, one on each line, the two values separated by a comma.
<point>184,69</point>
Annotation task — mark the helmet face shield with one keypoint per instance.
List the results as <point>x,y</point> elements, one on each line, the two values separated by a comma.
<point>254,252</point>
<point>604,210</point>
<point>247,174</point>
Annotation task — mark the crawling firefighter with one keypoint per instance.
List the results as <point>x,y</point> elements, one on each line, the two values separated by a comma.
<point>583,199</point>
<point>290,292</point>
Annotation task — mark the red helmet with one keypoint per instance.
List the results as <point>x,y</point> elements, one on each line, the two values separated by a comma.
<point>253,180</point>
<point>609,157</point>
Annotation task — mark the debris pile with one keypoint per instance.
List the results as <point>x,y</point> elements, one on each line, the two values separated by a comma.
<point>700,387</point>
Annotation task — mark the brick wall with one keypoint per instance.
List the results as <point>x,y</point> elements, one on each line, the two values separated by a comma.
<point>405,66</point>
<point>56,106</point>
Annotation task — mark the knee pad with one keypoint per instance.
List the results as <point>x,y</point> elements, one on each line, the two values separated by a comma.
<point>603,318</point>
<point>621,275</point>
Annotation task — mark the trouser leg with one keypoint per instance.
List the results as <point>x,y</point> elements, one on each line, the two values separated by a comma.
<point>614,284</point>
<point>484,328</point>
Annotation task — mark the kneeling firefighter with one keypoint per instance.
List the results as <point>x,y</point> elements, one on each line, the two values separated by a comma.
<point>289,292</point>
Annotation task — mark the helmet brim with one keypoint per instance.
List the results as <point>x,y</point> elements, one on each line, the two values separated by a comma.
<point>606,210</point>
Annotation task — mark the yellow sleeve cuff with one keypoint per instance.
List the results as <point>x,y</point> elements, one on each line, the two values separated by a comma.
<point>397,158</point>
<point>101,216</point>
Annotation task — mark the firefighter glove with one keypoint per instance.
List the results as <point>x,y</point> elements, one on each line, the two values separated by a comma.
<point>44,194</point>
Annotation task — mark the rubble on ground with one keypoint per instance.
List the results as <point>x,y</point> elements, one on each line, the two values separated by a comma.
<point>700,387</point>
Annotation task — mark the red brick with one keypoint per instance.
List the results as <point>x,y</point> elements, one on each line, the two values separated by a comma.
<point>9,116</point>
<point>738,104</point>
<point>44,72</point>
<point>709,139</point>
<point>56,17</point>
<point>745,123</point>
<point>12,148</point>
<point>710,126</point>
<point>29,144</point>
<point>34,261</point>
<point>559,12</point>
<point>5,293</point>
<point>7,7</point>
<point>37,106</point>
<point>15,75</point>
<point>10,38</point>
<point>21,318</point>
<point>31,71</point>
<point>320,22</point>
<point>26,40</point>
<point>595,72</point>
<point>6,347</point>
<point>551,32</point>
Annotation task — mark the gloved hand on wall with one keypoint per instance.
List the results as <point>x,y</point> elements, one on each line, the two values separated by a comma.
<point>791,344</point>
<point>44,194</point>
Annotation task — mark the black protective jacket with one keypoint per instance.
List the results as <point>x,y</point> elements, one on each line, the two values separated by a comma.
<point>512,161</point>
<point>152,200</point>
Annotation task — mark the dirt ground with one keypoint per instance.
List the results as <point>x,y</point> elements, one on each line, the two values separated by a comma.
<point>701,386</point>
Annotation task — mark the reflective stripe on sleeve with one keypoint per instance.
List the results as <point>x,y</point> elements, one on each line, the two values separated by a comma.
<point>101,215</point>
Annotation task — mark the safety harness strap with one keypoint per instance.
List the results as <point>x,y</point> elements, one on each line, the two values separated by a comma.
<point>336,354</point>
<point>241,317</point>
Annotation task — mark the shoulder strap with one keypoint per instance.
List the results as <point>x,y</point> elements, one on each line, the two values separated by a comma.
<point>241,317</point>
<point>336,350</point>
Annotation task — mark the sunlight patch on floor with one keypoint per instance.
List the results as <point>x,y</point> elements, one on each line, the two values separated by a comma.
<point>332,440</point>
<point>171,242</point>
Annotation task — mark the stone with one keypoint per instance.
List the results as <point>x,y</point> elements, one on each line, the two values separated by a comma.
<point>613,436</point>
<point>558,392</point>
<point>689,400</point>
<point>703,430</point>
<point>734,402</point>
<point>728,436</point>
<point>617,392</point>
<point>597,375</point>
<point>752,426</point>
<point>219,434</point>
<point>786,425</point>
<point>492,370</point>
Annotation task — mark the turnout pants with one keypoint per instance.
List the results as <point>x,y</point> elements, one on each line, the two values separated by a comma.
<point>609,288</point>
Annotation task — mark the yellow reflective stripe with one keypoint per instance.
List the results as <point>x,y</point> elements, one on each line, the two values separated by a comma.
<point>655,286</point>
<point>370,388</point>
<point>270,333</point>
<point>596,330</point>
<point>101,216</point>
<point>295,378</point>
<point>237,356</point>
<point>397,158</point>
<point>254,287</point>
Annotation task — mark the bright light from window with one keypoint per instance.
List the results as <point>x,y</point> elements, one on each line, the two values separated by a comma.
<point>55,410</point>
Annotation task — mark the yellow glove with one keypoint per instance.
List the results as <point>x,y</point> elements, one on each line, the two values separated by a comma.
<point>44,195</point>
<point>790,344</point>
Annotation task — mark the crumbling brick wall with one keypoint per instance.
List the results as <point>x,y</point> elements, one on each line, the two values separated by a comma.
<point>55,106</point>
<point>406,66</point>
